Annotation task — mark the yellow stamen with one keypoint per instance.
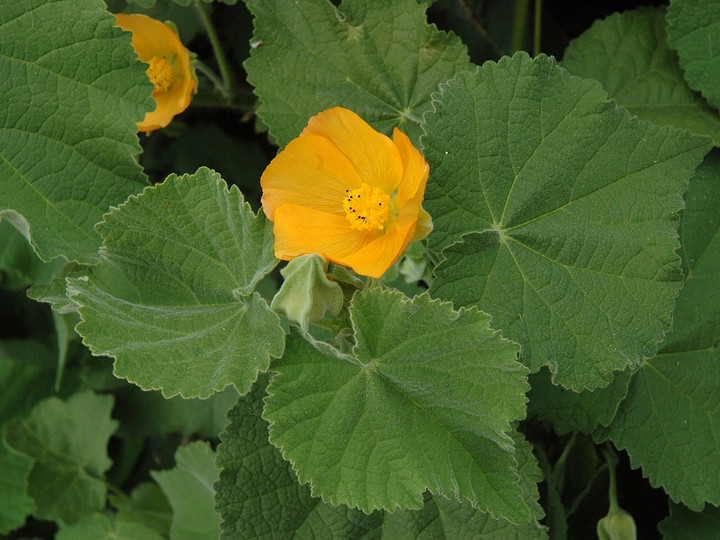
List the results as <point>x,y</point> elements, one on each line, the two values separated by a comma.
<point>161,74</point>
<point>366,207</point>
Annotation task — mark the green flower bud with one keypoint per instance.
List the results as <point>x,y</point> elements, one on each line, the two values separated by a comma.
<point>307,294</point>
<point>617,525</point>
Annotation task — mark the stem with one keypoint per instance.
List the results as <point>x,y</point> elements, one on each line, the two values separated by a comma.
<point>210,74</point>
<point>217,48</point>
<point>612,490</point>
<point>538,25</point>
<point>483,32</point>
<point>519,25</point>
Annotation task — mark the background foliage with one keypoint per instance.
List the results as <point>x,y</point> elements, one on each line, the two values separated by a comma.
<point>558,327</point>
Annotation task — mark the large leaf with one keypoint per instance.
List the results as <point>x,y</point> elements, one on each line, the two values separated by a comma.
<point>72,90</point>
<point>189,488</point>
<point>423,402</point>
<point>379,58</point>
<point>255,480</point>
<point>628,53</point>
<point>669,421</point>
<point>694,30</point>
<point>16,505</point>
<point>68,441</point>
<point>172,299</point>
<point>557,212</point>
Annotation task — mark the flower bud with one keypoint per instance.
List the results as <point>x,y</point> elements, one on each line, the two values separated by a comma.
<point>617,525</point>
<point>307,294</point>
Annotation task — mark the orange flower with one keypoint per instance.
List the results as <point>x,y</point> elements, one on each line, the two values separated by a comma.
<point>346,192</point>
<point>156,44</point>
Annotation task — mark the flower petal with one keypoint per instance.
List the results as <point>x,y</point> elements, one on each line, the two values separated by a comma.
<point>150,36</point>
<point>373,155</point>
<point>300,231</point>
<point>311,172</point>
<point>415,169</point>
<point>377,256</point>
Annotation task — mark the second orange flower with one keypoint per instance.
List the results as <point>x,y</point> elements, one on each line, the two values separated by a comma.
<point>170,70</point>
<point>348,193</point>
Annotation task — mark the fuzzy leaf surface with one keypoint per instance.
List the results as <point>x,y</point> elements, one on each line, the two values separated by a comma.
<point>694,31</point>
<point>557,214</point>
<point>68,137</point>
<point>424,401</point>
<point>379,58</point>
<point>669,421</point>
<point>255,480</point>
<point>68,441</point>
<point>189,488</point>
<point>628,53</point>
<point>172,299</point>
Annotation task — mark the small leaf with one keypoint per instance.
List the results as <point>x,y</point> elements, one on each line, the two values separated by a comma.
<point>68,441</point>
<point>694,30</point>
<point>557,214</point>
<point>102,527</point>
<point>16,504</point>
<point>68,138</point>
<point>425,401</point>
<point>669,420</point>
<point>629,55</point>
<point>380,59</point>
<point>682,523</point>
<point>189,489</point>
<point>172,299</point>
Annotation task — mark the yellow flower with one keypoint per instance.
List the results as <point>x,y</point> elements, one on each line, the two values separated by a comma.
<point>170,71</point>
<point>346,192</point>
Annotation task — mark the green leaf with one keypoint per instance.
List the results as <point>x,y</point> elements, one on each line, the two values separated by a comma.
<point>557,213</point>
<point>255,480</point>
<point>669,420</point>
<point>147,506</point>
<point>27,375</point>
<point>381,59</point>
<point>629,55</point>
<point>68,441</point>
<point>149,414</point>
<point>72,90</point>
<point>683,524</point>
<point>19,265</point>
<point>576,411</point>
<point>694,30</point>
<point>16,504</point>
<point>423,402</point>
<point>102,527</point>
<point>189,488</point>
<point>172,298</point>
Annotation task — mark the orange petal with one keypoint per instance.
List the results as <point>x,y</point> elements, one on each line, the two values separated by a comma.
<point>377,256</point>
<point>300,230</point>
<point>415,169</point>
<point>310,172</point>
<point>373,155</point>
<point>150,36</point>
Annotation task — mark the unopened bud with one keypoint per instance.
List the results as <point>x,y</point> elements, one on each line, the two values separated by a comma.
<point>307,294</point>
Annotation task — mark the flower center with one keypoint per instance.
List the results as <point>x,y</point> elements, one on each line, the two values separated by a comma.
<point>366,207</point>
<point>161,74</point>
